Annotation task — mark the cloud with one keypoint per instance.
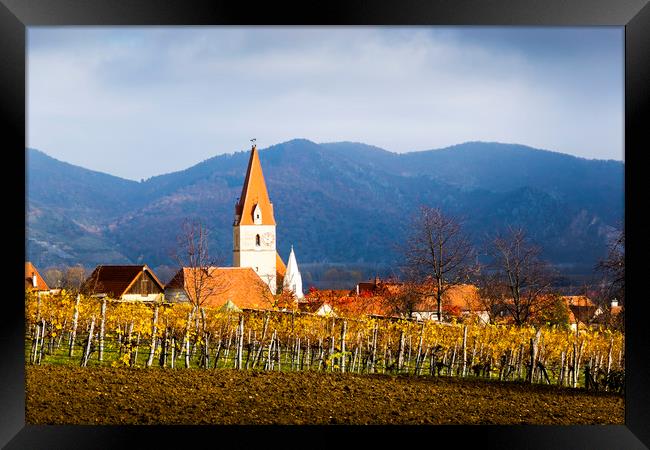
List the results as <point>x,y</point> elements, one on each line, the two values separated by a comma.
<point>139,101</point>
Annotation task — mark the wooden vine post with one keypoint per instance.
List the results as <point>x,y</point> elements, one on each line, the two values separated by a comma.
<point>400,351</point>
<point>240,343</point>
<point>261,346</point>
<point>37,335</point>
<point>154,330</point>
<point>373,356</point>
<point>344,329</point>
<point>331,352</point>
<point>102,327</point>
<point>534,342</point>
<point>464,369</point>
<point>86,355</point>
<point>186,342</point>
<point>75,320</point>
<point>206,340</point>
<point>419,352</point>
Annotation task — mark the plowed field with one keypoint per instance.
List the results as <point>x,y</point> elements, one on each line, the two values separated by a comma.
<point>65,395</point>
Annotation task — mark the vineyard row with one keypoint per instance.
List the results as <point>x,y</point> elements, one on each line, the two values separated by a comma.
<point>87,331</point>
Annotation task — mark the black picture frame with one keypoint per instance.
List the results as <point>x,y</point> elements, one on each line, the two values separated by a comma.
<point>634,15</point>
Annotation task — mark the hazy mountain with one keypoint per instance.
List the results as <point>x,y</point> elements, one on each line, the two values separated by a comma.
<point>337,202</point>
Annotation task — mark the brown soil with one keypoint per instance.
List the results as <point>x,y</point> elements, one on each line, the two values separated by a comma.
<point>65,395</point>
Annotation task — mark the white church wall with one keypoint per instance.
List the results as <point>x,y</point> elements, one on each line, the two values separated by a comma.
<point>261,258</point>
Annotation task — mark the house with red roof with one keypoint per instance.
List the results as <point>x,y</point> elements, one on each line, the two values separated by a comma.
<point>584,312</point>
<point>124,282</point>
<point>461,300</point>
<point>241,286</point>
<point>391,298</point>
<point>34,282</point>
<point>317,307</point>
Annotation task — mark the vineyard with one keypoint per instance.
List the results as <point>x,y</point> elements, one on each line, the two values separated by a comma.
<point>81,331</point>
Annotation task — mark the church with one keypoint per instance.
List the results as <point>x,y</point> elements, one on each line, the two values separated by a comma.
<point>256,261</point>
<point>254,237</point>
<point>253,233</point>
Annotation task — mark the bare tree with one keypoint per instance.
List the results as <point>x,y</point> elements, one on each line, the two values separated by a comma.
<point>405,298</point>
<point>282,299</point>
<point>53,277</point>
<point>613,267</point>
<point>492,295</point>
<point>519,276</point>
<point>198,267</point>
<point>199,277</point>
<point>74,278</point>
<point>438,254</point>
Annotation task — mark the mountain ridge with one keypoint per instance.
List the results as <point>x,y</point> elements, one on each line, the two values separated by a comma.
<point>339,202</point>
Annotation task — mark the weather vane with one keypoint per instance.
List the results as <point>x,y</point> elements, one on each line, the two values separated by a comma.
<point>253,141</point>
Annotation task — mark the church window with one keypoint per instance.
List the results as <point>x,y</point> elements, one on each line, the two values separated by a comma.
<point>257,215</point>
<point>257,240</point>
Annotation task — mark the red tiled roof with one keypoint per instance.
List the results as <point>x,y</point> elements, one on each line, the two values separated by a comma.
<point>115,280</point>
<point>310,306</point>
<point>241,285</point>
<point>577,300</point>
<point>354,306</point>
<point>580,308</point>
<point>615,310</point>
<point>327,293</point>
<point>464,297</point>
<point>30,271</point>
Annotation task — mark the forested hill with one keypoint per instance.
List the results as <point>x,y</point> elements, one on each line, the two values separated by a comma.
<point>336,202</point>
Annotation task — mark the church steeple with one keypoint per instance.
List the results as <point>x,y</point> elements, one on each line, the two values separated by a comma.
<point>254,206</point>
<point>254,226</point>
<point>293,279</point>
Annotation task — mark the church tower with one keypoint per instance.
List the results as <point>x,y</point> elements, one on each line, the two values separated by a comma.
<point>254,226</point>
<point>293,279</point>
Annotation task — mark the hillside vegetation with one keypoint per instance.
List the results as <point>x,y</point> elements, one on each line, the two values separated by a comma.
<point>336,203</point>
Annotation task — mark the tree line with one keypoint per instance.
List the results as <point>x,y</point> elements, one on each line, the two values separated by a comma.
<point>508,267</point>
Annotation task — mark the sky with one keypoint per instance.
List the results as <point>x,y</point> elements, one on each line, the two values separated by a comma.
<point>137,102</point>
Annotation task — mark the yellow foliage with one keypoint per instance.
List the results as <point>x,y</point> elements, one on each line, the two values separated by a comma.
<point>493,340</point>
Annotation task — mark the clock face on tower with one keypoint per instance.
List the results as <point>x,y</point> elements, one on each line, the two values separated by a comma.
<point>267,239</point>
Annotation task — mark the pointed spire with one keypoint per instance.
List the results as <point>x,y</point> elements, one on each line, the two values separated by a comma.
<point>293,279</point>
<point>254,195</point>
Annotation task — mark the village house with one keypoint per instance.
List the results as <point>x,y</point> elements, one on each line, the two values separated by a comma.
<point>321,301</point>
<point>124,282</point>
<point>391,298</point>
<point>584,312</point>
<point>317,307</point>
<point>460,301</point>
<point>581,310</point>
<point>615,310</point>
<point>237,286</point>
<point>33,280</point>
